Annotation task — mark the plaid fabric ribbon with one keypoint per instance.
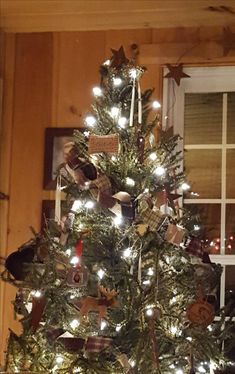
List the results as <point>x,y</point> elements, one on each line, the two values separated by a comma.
<point>151,217</point>
<point>101,184</point>
<point>96,344</point>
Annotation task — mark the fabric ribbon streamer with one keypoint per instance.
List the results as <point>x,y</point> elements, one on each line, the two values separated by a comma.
<point>133,101</point>
<point>58,200</point>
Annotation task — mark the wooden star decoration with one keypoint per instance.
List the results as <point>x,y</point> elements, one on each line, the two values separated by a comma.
<point>228,40</point>
<point>176,72</point>
<point>118,59</point>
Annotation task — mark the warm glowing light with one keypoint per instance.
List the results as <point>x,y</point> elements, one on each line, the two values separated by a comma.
<point>159,171</point>
<point>59,359</point>
<point>68,252</point>
<point>201,369</point>
<point>118,328</point>
<point>173,330</point>
<point>36,293</point>
<point>122,122</point>
<point>117,221</point>
<point>74,260</point>
<point>114,111</point>
<point>196,227</point>
<point>117,81</point>
<point>179,371</point>
<point>103,325</point>
<point>156,104</point>
<point>132,363</point>
<point>107,62</point>
<point>127,252</point>
<point>146,282</point>
<point>100,273</point>
<point>97,91</point>
<point>149,312</point>
<point>185,186</point>
<point>150,271</point>
<point>90,121</point>
<point>89,204</point>
<point>76,205</point>
<point>189,338</point>
<point>130,181</point>
<point>74,324</point>
<point>133,73</point>
<point>153,156</point>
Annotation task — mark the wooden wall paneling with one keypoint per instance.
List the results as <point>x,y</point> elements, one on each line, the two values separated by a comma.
<point>78,56</point>
<point>8,66</point>
<point>31,114</point>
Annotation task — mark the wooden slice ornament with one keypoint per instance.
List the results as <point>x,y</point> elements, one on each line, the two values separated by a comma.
<point>77,277</point>
<point>200,312</point>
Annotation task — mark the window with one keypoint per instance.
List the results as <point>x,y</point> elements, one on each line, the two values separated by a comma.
<point>202,110</point>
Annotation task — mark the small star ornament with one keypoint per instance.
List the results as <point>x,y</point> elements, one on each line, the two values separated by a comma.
<point>118,59</point>
<point>176,72</point>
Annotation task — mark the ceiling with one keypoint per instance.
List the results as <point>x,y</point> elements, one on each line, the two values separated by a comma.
<point>71,15</point>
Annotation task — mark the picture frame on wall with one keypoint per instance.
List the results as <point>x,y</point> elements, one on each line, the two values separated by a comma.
<point>55,139</point>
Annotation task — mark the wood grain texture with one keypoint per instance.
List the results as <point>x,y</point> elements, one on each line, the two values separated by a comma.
<point>27,111</point>
<point>71,15</point>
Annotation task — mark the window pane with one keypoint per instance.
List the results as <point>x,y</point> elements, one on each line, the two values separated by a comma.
<point>210,224</point>
<point>230,229</point>
<point>203,170</point>
<point>231,118</point>
<point>230,174</point>
<point>203,118</point>
<point>230,287</point>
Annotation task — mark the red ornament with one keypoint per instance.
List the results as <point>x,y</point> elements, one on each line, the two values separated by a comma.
<point>79,248</point>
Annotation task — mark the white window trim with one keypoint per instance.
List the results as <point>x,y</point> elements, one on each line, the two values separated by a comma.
<point>203,79</point>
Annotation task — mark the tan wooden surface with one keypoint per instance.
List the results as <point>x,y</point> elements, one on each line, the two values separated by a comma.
<point>45,75</point>
<point>72,15</point>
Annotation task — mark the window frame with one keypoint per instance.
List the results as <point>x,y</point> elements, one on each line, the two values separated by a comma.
<point>203,80</point>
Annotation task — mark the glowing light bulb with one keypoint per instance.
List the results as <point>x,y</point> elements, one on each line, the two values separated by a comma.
<point>185,186</point>
<point>117,81</point>
<point>146,282</point>
<point>127,252</point>
<point>97,91</point>
<point>86,134</point>
<point>59,359</point>
<point>133,73</point>
<point>159,171</point>
<point>118,328</point>
<point>201,369</point>
<point>132,363</point>
<point>196,227</point>
<point>100,273</point>
<point>179,371</point>
<point>114,111</point>
<point>173,330</point>
<point>149,312</point>
<point>103,325</point>
<point>36,293</point>
<point>107,62</point>
<point>74,324</point>
<point>153,156</point>
<point>89,204</point>
<point>76,205</point>
<point>122,122</point>
<point>74,260</point>
<point>189,338</point>
<point>117,220</point>
<point>130,181</point>
<point>90,121</point>
<point>114,158</point>
<point>150,271</point>
<point>156,104</point>
<point>68,252</point>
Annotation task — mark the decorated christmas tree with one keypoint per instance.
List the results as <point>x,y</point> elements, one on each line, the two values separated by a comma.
<point>119,282</point>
